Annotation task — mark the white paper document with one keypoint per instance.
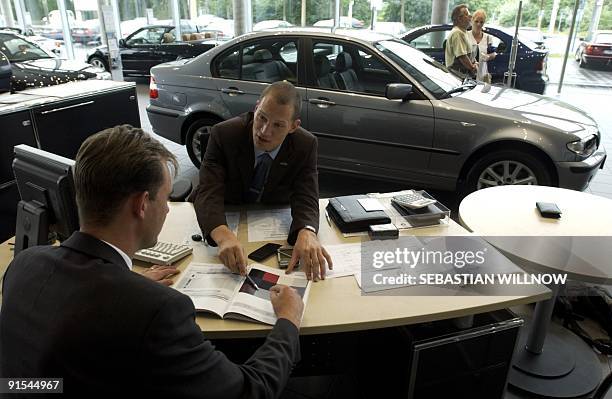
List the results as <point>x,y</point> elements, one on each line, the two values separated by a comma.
<point>346,258</point>
<point>268,224</point>
<point>371,204</point>
<point>213,288</point>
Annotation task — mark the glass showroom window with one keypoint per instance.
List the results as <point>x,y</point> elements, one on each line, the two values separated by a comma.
<point>353,14</point>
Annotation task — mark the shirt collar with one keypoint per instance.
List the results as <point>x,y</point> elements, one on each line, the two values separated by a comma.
<point>272,153</point>
<point>126,258</point>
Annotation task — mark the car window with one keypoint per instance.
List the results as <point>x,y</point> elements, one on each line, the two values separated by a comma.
<point>17,49</point>
<point>434,76</point>
<point>430,41</point>
<point>350,67</point>
<point>149,36</point>
<point>603,38</point>
<point>262,61</point>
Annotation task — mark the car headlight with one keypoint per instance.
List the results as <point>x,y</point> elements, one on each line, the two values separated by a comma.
<point>583,147</point>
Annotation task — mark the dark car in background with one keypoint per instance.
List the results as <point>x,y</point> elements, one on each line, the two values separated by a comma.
<point>382,109</point>
<point>597,51</point>
<point>33,66</point>
<point>153,45</point>
<point>530,60</point>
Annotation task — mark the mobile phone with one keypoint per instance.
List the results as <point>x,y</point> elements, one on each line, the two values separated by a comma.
<point>264,252</point>
<point>284,257</point>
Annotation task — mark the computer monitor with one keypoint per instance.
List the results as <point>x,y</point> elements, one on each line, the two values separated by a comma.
<point>47,210</point>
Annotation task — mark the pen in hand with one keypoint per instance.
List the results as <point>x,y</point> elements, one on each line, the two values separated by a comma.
<point>250,280</point>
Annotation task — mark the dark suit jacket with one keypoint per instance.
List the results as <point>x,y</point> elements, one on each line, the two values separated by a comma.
<point>227,171</point>
<point>77,312</point>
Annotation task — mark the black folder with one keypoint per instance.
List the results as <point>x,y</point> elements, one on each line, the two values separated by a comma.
<point>350,217</point>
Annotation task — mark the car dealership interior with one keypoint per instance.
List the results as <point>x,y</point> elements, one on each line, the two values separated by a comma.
<point>306,198</point>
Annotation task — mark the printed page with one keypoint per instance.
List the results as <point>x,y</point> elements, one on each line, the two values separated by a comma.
<point>254,303</point>
<point>269,224</point>
<point>209,285</point>
<point>346,258</point>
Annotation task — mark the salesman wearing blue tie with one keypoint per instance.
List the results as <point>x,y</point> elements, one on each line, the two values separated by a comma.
<point>264,157</point>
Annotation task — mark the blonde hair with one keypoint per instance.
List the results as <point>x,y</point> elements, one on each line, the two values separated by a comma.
<point>479,12</point>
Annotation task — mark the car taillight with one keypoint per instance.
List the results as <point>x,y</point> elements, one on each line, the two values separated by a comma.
<point>153,93</point>
<point>593,50</point>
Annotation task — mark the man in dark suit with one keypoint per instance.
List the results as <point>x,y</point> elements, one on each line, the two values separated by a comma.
<point>77,312</point>
<point>265,157</point>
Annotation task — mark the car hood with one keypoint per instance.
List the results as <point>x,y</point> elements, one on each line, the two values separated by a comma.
<point>51,71</point>
<point>524,107</point>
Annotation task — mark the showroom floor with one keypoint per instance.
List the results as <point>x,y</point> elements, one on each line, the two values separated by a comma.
<point>595,100</point>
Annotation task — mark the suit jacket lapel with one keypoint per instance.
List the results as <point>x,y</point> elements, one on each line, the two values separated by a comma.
<point>246,157</point>
<point>93,247</point>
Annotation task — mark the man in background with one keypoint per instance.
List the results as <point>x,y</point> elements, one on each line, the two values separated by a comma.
<point>263,157</point>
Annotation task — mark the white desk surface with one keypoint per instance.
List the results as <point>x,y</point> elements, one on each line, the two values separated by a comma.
<point>579,243</point>
<point>334,305</point>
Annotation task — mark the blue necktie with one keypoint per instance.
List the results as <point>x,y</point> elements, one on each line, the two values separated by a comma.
<point>264,161</point>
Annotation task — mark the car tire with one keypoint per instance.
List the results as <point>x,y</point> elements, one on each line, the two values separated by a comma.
<point>197,139</point>
<point>99,62</point>
<point>581,63</point>
<point>498,167</point>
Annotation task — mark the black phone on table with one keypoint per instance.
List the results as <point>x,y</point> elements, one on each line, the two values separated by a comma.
<point>264,252</point>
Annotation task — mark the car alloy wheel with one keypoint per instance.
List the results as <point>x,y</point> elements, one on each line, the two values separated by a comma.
<point>506,173</point>
<point>197,139</point>
<point>98,63</point>
<point>507,167</point>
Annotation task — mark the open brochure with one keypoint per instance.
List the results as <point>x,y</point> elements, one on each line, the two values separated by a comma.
<point>213,288</point>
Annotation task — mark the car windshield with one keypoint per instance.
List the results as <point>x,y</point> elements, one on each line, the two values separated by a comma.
<point>18,49</point>
<point>434,76</point>
<point>604,38</point>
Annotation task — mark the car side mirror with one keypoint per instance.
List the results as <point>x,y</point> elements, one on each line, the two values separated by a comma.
<point>6,73</point>
<point>122,43</point>
<point>501,47</point>
<point>398,91</point>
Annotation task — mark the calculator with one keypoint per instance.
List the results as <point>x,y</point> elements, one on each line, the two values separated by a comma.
<point>163,253</point>
<point>413,200</point>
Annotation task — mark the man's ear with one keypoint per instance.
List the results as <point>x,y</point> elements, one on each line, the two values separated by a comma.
<point>256,105</point>
<point>139,204</point>
<point>296,123</point>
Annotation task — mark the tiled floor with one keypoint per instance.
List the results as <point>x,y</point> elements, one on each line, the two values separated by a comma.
<point>587,77</point>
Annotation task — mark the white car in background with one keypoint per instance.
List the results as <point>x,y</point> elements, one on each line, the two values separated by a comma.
<point>272,24</point>
<point>390,28</point>
<point>345,22</point>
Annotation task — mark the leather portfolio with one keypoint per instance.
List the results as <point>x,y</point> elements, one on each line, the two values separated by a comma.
<point>350,217</point>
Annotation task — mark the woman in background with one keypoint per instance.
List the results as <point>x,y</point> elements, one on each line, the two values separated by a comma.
<point>480,42</point>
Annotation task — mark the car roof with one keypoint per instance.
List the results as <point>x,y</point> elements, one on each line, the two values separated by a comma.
<point>363,35</point>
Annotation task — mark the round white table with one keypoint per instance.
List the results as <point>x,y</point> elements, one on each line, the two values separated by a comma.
<point>553,363</point>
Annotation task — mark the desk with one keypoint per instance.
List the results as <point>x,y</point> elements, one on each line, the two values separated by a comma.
<point>335,305</point>
<point>558,364</point>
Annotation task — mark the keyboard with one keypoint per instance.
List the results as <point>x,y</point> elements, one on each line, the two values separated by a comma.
<point>413,200</point>
<point>163,253</point>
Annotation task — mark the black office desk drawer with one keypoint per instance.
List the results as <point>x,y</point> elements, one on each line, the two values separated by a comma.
<point>447,362</point>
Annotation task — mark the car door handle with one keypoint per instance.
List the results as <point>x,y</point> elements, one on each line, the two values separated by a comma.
<point>232,91</point>
<point>321,102</point>
<point>467,124</point>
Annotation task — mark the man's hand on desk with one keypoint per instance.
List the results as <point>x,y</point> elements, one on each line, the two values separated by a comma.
<point>287,304</point>
<point>231,252</point>
<point>161,274</point>
<point>311,255</point>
